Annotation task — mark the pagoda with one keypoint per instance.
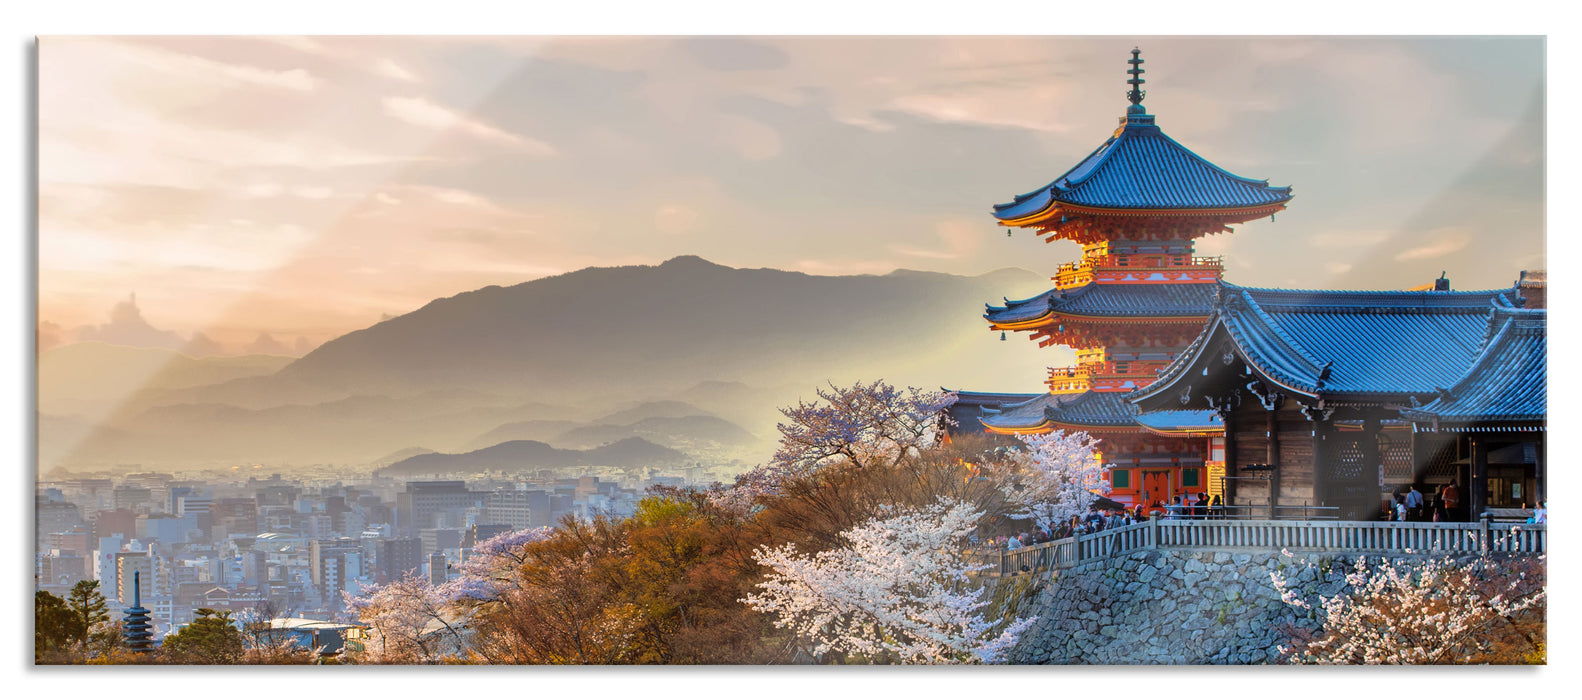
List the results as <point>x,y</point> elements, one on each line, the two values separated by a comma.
<point>1134,301</point>
<point>137,632</point>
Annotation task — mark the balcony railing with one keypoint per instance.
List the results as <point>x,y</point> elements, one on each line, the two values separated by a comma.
<point>1090,370</point>
<point>1142,262</point>
<point>1270,535</point>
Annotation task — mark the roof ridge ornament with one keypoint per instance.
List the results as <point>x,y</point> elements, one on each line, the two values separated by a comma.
<point>1136,94</point>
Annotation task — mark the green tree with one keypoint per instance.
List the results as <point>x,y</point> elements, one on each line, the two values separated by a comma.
<point>88,614</point>
<point>52,625</point>
<point>210,639</point>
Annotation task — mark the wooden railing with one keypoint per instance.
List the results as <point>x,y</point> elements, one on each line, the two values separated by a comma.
<point>1339,537</point>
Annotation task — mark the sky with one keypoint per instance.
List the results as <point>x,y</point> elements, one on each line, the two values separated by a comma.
<point>307,187</point>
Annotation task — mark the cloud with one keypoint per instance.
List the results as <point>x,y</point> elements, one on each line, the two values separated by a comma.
<point>735,53</point>
<point>1346,239</point>
<point>961,239</point>
<point>391,69</point>
<point>675,218</point>
<point>420,112</point>
<point>1444,245</point>
<point>750,139</point>
<point>188,66</point>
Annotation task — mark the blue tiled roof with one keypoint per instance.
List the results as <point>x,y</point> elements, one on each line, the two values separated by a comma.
<point>1142,168</point>
<point>990,399</point>
<point>1111,300</point>
<point>1384,343</point>
<point>1181,420</point>
<point>1509,380</point>
<point>1111,409</point>
<point>1094,408</point>
<point>1021,416</point>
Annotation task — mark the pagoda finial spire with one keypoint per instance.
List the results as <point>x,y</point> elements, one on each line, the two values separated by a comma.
<point>1136,94</point>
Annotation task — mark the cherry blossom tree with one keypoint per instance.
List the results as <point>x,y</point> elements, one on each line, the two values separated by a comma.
<point>863,426</point>
<point>1436,611</point>
<point>407,620</point>
<point>492,567</point>
<point>1056,475</point>
<point>411,621</point>
<point>897,591</point>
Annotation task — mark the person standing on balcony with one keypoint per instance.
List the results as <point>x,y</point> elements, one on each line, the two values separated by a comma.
<point>1414,504</point>
<point>1452,498</point>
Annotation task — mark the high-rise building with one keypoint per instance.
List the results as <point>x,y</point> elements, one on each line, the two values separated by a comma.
<point>425,503</point>
<point>331,563</point>
<point>510,508</point>
<point>438,569</point>
<point>398,557</point>
<point>128,563</point>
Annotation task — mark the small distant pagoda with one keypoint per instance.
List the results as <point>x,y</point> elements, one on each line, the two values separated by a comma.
<point>135,627</point>
<point>1135,300</point>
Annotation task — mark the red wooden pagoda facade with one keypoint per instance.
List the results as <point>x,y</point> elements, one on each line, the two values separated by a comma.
<point>1138,297</point>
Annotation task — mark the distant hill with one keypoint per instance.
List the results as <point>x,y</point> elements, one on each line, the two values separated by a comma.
<point>640,330</point>
<point>651,409</point>
<point>673,432</point>
<point>86,378</point>
<point>524,455</point>
<point>540,430</point>
<point>399,455</point>
<point>601,346</point>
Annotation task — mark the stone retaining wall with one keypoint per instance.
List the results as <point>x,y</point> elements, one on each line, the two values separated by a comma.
<point>1174,607</point>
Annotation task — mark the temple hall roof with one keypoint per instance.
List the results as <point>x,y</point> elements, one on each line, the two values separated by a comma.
<point>1020,417</point>
<point>1507,383</point>
<point>1110,301</point>
<point>1095,411</point>
<point>1141,168</point>
<point>1389,344</point>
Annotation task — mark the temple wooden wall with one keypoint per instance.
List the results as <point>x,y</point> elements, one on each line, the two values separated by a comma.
<point>1294,472</point>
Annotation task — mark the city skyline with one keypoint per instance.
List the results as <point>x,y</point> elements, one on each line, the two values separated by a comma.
<point>307,187</point>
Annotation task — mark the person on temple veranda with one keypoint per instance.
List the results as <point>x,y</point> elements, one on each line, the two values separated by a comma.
<point>1452,498</point>
<point>1414,504</point>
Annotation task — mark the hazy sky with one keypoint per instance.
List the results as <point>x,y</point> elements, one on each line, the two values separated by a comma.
<point>305,187</point>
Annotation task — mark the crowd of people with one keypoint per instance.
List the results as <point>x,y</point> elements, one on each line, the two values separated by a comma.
<point>1443,505</point>
<point>1101,518</point>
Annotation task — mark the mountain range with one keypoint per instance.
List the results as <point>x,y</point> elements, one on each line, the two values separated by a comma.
<point>531,455</point>
<point>700,354</point>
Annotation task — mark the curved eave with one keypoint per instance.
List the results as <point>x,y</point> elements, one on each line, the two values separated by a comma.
<point>1042,427</point>
<point>1050,318</point>
<point>1028,325</point>
<point>1184,432</point>
<point>1097,427</point>
<point>1057,207</point>
<point>1491,426</point>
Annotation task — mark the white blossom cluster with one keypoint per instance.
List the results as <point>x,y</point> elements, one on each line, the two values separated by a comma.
<point>898,590</point>
<point>1056,475</point>
<point>1428,612</point>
